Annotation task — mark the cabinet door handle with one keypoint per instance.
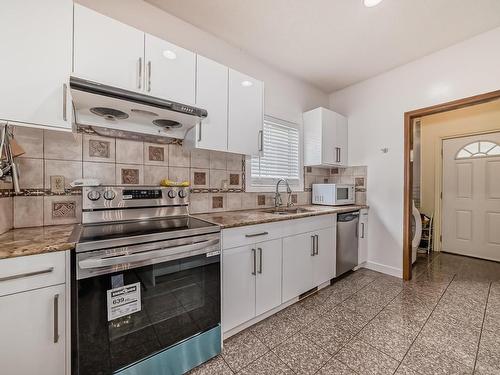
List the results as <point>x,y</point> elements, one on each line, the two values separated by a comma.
<point>26,274</point>
<point>149,76</point>
<point>139,73</point>
<point>362,230</point>
<point>317,243</point>
<point>56,318</point>
<point>65,104</point>
<point>261,140</point>
<point>256,234</point>
<point>260,259</point>
<point>199,133</point>
<point>313,250</point>
<point>254,256</point>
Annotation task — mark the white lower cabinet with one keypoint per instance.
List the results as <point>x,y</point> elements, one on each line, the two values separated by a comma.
<point>268,277</point>
<point>252,281</point>
<point>259,277</point>
<point>33,326</point>
<point>308,261</point>
<point>363,236</point>
<point>238,298</point>
<point>33,332</point>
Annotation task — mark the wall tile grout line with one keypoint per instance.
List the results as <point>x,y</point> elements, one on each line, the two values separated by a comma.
<point>482,326</point>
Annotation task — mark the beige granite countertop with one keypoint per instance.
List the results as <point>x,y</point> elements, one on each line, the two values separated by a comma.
<point>232,219</point>
<point>36,240</point>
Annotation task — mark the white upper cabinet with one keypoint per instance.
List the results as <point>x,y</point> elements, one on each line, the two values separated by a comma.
<point>211,94</point>
<point>169,71</point>
<point>36,42</point>
<point>107,51</point>
<point>325,138</point>
<point>246,114</point>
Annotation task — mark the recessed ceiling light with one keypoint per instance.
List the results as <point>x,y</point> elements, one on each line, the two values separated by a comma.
<point>371,3</point>
<point>246,83</point>
<point>169,54</point>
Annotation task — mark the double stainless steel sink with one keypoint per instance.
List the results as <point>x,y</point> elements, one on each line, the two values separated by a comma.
<point>287,211</point>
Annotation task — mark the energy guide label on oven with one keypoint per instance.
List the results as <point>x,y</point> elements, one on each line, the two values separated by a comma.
<point>124,300</point>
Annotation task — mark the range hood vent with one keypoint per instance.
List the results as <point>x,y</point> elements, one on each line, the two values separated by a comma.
<point>115,112</point>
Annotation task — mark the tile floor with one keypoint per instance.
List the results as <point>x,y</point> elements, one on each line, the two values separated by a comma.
<point>445,321</point>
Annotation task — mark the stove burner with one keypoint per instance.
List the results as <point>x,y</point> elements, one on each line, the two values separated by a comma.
<point>168,124</point>
<point>109,113</point>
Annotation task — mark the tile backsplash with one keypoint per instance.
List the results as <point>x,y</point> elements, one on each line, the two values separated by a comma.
<point>54,159</point>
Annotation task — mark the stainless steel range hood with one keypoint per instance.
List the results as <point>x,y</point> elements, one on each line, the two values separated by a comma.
<point>115,112</point>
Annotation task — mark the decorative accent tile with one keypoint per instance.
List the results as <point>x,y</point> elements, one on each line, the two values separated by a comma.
<point>63,210</point>
<point>130,176</point>
<point>99,148</point>
<point>156,153</point>
<point>309,169</point>
<point>57,184</point>
<point>294,199</point>
<point>234,179</point>
<point>261,200</point>
<point>199,178</point>
<point>217,202</point>
<point>334,171</point>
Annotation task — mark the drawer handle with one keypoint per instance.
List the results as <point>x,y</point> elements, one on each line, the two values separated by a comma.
<point>256,234</point>
<point>56,318</point>
<point>27,274</point>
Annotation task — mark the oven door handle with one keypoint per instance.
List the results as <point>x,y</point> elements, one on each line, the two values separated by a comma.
<point>145,255</point>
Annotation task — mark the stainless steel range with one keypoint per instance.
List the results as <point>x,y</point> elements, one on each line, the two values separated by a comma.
<point>145,284</point>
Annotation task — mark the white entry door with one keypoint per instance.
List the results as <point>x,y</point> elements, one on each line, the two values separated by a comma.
<point>471,196</point>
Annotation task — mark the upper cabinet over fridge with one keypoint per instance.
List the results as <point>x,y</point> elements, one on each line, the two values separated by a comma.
<point>325,138</point>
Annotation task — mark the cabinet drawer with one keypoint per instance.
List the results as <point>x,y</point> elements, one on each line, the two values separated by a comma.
<point>31,272</point>
<point>251,234</point>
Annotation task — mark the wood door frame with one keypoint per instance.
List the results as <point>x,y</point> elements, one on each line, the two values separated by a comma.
<point>409,117</point>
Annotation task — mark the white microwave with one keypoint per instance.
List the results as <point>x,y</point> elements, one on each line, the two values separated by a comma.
<point>333,194</point>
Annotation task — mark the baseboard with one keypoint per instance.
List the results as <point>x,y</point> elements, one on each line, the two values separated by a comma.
<point>388,270</point>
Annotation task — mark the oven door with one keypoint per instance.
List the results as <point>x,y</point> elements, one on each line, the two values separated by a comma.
<point>155,310</point>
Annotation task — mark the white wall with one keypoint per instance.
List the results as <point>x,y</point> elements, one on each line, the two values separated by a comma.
<point>285,97</point>
<point>375,109</point>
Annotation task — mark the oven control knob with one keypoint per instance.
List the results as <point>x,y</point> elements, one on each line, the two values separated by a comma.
<point>182,194</point>
<point>93,195</point>
<point>171,194</point>
<point>109,195</point>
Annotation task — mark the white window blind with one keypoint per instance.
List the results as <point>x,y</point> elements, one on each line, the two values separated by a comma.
<point>281,154</point>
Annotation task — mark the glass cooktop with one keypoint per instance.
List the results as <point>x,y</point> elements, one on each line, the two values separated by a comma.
<point>148,230</point>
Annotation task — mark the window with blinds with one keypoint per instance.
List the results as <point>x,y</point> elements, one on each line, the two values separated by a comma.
<point>281,157</point>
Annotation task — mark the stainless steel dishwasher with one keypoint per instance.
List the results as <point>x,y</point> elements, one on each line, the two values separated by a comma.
<point>347,242</point>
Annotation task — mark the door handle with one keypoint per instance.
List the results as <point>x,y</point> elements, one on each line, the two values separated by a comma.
<point>260,259</point>
<point>139,73</point>
<point>65,105</point>
<point>56,318</point>
<point>254,256</point>
<point>149,76</point>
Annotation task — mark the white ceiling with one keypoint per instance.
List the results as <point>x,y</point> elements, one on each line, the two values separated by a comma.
<point>335,43</point>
